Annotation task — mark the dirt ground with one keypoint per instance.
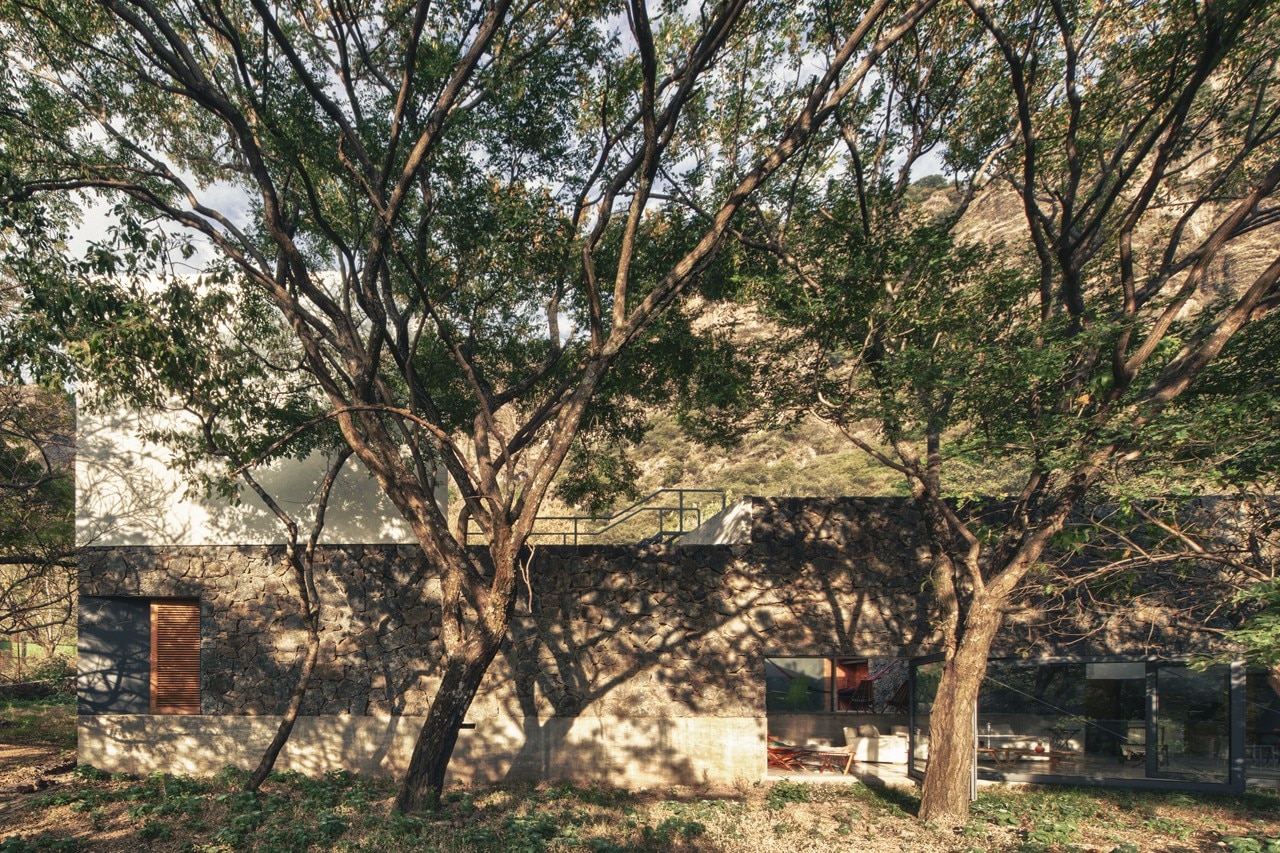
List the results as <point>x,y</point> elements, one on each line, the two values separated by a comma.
<point>27,769</point>
<point>25,773</point>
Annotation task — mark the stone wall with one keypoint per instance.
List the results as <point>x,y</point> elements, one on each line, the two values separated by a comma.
<point>376,621</point>
<point>680,630</point>
<point>612,648</point>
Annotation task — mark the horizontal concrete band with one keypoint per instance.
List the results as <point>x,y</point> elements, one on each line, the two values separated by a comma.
<point>624,751</point>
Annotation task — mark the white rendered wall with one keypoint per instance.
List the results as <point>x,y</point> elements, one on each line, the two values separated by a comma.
<point>127,493</point>
<point>729,526</point>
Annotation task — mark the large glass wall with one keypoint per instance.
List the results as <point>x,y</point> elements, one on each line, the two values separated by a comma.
<point>1192,721</point>
<point>839,702</point>
<point>1106,720</point>
<point>1262,727</point>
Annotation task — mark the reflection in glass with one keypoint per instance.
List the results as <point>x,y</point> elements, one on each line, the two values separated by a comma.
<point>926,677</point>
<point>1192,723</point>
<point>795,684</point>
<point>1262,726</point>
<point>1093,720</point>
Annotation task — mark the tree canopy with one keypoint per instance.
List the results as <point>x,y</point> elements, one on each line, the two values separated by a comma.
<point>1079,297</point>
<point>451,211</point>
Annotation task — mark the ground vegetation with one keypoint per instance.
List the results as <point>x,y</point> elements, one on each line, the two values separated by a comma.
<point>37,558</point>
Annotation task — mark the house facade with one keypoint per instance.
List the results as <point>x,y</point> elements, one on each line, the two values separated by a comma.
<point>804,619</point>
<point>644,663</point>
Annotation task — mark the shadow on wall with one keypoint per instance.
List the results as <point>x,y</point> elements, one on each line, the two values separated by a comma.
<point>120,496</point>
<point>624,664</point>
<point>129,492</point>
<point>627,662</point>
<point>379,746</point>
<point>634,675</point>
<point>196,745</point>
<point>114,656</point>
<point>628,667</point>
<point>378,630</point>
<point>851,573</point>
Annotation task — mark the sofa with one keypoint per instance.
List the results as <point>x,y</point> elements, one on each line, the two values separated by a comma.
<point>868,745</point>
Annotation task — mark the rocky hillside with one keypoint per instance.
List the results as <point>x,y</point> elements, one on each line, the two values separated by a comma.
<point>815,459</point>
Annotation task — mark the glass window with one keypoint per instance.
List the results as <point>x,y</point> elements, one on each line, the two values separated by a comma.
<point>1262,726</point>
<point>796,684</point>
<point>836,684</point>
<point>926,677</point>
<point>1105,720</point>
<point>837,702</point>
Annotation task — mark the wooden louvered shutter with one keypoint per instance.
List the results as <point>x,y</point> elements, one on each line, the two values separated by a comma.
<point>175,657</point>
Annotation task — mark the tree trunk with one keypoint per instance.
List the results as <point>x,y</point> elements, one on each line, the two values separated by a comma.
<point>285,729</point>
<point>945,799</point>
<point>464,670</point>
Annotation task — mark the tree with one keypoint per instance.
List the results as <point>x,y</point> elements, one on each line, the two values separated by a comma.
<point>37,560</point>
<point>1227,429</point>
<point>1134,149</point>
<point>37,435</point>
<point>447,208</point>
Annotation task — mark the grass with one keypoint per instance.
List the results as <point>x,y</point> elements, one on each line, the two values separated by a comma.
<point>39,722</point>
<point>1126,821</point>
<point>345,814</point>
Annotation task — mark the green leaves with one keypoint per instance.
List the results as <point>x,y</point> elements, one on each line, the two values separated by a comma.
<point>37,514</point>
<point>1259,635</point>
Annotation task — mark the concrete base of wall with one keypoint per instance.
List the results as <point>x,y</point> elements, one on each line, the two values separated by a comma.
<point>633,752</point>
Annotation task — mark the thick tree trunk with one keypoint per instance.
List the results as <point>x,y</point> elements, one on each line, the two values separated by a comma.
<point>465,669</point>
<point>945,799</point>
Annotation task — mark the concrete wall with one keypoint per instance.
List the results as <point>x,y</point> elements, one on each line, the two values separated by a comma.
<point>128,492</point>
<point>634,750</point>
<point>635,665</point>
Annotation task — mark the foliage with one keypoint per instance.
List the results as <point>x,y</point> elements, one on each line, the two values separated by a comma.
<point>57,669</point>
<point>1225,430</point>
<point>43,841</point>
<point>37,566</point>
<point>1260,634</point>
<point>438,231</point>
<point>344,813</point>
<point>39,722</point>
<point>1252,844</point>
<point>783,792</point>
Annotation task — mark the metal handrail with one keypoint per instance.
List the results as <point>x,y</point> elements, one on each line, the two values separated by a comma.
<point>679,510</point>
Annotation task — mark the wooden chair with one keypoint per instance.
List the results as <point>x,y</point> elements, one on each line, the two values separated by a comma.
<point>797,698</point>
<point>900,701</point>
<point>784,756</point>
<point>861,698</point>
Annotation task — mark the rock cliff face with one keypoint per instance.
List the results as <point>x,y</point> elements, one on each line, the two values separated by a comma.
<point>653,630</point>
<point>996,217</point>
